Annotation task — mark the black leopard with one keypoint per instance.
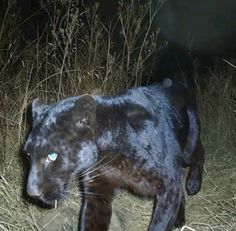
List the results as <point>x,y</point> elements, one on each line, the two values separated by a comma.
<point>139,140</point>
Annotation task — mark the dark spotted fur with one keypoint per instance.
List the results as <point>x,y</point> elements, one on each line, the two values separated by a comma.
<point>138,140</point>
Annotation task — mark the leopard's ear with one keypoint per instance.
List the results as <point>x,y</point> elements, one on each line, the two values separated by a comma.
<point>84,112</point>
<point>38,107</point>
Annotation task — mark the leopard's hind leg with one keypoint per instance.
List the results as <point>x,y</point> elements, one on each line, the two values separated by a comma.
<point>194,152</point>
<point>194,178</point>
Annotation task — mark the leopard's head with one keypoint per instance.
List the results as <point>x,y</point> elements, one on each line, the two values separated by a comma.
<point>60,145</point>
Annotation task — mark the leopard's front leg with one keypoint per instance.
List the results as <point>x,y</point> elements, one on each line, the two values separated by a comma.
<point>97,202</point>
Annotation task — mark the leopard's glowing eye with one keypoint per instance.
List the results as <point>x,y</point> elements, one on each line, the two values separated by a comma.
<point>52,156</point>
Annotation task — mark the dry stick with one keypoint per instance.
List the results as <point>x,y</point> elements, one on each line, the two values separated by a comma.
<point>231,205</point>
<point>203,198</point>
<point>108,58</point>
<point>145,38</point>
<point>61,70</point>
<point>211,180</point>
<point>4,180</point>
<point>214,216</point>
<point>232,65</point>
<point>4,20</point>
<point>34,220</point>
<point>53,218</point>
<point>5,223</point>
<point>24,105</point>
<point>125,20</point>
<point>186,227</point>
<point>203,224</point>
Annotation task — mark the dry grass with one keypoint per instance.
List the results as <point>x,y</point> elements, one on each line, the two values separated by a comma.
<point>214,207</point>
<point>73,61</point>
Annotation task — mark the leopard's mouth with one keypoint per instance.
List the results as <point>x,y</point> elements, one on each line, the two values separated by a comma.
<point>52,197</point>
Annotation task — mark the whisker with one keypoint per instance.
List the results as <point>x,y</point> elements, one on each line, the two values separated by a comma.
<point>83,193</point>
<point>86,193</point>
<point>98,175</point>
<point>91,167</point>
<point>101,166</point>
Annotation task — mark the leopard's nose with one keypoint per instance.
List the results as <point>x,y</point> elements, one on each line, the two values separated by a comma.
<point>33,191</point>
<point>33,184</point>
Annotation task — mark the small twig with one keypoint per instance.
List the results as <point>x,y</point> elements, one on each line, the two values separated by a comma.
<point>226,61</point>
<point>203,224</point>
<point>55,204</point>
<point>4,180</point>
<point>186,227</point>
